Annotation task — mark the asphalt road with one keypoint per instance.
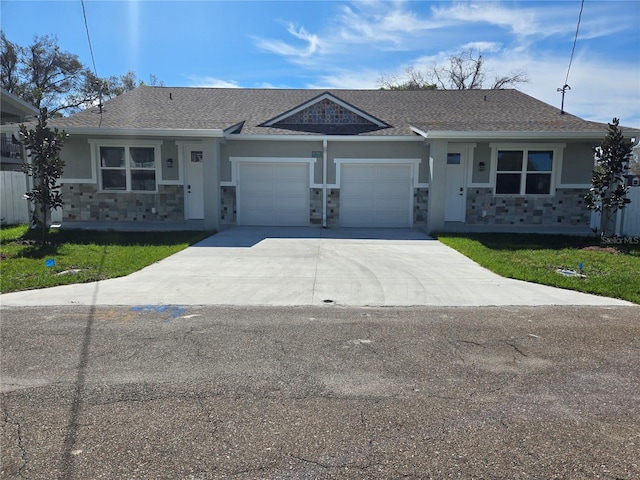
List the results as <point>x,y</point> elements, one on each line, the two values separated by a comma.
<point>320,393</point>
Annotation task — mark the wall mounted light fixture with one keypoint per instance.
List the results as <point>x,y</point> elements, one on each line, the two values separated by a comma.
<point>170,162</point>
<point>481,166</point>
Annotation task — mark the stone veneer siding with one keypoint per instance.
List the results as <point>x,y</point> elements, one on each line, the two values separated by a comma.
<point>420,205</point>
<point>228,205</point>
<point>333,206</point>
<point>83,202</point>
<point>566,207</point>
<point>315,206</point>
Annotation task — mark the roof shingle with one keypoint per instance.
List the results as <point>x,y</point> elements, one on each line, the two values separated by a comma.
<point>186,108</point>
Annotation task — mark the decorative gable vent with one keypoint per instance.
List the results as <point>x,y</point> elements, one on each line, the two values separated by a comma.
<point>327,114</point>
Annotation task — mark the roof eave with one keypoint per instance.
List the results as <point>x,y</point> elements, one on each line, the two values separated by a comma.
<point>320,137</point>
<point>147,132</point>
<point>480,135</point>
<point>19,103</point>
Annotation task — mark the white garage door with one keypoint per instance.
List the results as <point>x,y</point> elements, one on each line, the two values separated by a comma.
<point>375,195</point>
<point>273,194</point>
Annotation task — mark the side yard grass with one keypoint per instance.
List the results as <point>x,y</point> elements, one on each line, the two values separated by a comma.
<point>610,270</point>
<point>78,256</point>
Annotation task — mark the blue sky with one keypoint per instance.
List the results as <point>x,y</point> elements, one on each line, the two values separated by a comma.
<point>350,44</point>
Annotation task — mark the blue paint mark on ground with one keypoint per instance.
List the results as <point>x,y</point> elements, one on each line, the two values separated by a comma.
<point>174,311</point>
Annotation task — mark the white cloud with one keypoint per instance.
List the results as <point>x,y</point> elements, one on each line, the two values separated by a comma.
<point>370,24</point>
<point>361,79</point>
<point>381,23</point>
<point>311,44</point>
<point>211,82</point>
<point>484,47</point>
<point>521,21</point>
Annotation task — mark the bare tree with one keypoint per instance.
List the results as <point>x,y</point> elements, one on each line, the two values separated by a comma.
<point>464,71</point>
<point>413,79</point>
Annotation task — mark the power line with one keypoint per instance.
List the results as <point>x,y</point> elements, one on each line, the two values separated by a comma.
<point>566,86</point>
<point>93,60</point>
<point>575,40</point>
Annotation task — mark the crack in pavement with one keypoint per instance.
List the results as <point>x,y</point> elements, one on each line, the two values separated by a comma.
<point>19,443</point>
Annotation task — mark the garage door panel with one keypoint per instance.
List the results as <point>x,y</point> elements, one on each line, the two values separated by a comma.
<point>286,203</point>
<point>260,202</point>
<point>290,170</point>
<point>258,187</point>
<point>375,195</point>
<point>360,203</point>
<point>390,188</point>
<point>394,173</point>
<point>290,186</point>
<point>273,194</point>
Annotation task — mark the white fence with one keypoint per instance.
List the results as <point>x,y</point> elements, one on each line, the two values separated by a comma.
<point>630,223</point>
<point>14,208</point>
<point>627,219</point>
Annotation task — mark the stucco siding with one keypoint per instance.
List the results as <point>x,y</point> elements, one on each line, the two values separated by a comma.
<point>76,154</point>
<point>169,150</point>
<point>247,148</point>
<point>577,164</point>
<point>337,149</point>
<point>481,154</point>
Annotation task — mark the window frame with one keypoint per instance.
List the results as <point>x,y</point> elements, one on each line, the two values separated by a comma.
<point>128,167</point>
<point>556,151</point>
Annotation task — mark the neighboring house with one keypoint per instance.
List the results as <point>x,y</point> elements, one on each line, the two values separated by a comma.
<point>12,110</point>
<point>445,160</point>
<point>633,180</point>
<point>14,207</point>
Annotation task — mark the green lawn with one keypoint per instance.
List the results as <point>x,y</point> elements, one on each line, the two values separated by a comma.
<point>96,255</point>
<point>612,271</point>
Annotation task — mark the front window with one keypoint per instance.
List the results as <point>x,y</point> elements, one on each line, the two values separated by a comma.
<point>524,172</point>
<point>128,168</point>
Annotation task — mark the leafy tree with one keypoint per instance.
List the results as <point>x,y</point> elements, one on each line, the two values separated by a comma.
<point>9,75</point>
<point>43,147</point>
<point>44,76</point>
<point>115,86</point>
<point>464,71</point>
<point>608,192</point>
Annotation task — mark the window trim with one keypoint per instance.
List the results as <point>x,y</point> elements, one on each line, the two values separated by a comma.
<point>96,144</point>
<point>556,148</point>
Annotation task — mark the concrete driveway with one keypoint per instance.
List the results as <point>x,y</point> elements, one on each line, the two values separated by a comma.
<point>311,266</point>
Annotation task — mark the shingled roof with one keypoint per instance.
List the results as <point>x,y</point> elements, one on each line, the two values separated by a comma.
<point>247,111</point>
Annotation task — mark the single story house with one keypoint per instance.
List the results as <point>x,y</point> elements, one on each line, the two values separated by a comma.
<point>443,160</point>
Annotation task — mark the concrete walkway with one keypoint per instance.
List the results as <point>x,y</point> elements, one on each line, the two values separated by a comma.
<point>311,266</point>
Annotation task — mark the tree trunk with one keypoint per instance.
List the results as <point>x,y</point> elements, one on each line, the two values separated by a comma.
<point>607,222</point>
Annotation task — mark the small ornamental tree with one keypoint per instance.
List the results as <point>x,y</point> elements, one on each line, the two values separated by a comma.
<point>608,192</point>
<point>45,166</point>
